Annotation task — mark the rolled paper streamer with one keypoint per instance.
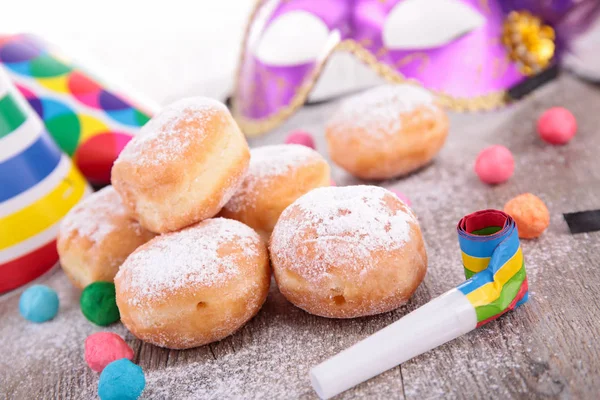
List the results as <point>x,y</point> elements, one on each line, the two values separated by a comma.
<point>89,119</point>
<point>496,283</point>
<point>38,185</point>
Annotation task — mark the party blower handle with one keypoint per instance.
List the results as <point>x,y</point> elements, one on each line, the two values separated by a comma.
<point>437,322</point>
<point>494,263</point>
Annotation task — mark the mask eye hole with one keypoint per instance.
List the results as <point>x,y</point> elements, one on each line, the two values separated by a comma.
<point>425,24</point>
<point>293,38</point>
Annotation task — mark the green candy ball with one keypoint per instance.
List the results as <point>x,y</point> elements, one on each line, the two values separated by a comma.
<point>98,303</point>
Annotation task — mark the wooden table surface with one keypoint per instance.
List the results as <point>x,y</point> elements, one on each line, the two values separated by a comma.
<point>546,349</point>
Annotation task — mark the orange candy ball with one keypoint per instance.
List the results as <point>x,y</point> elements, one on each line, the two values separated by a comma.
<point>530,213</point>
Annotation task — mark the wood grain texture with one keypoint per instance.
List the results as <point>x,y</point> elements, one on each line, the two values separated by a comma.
<point>545,349</point>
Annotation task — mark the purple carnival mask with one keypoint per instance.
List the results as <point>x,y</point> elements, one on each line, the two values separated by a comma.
<point>469,52</point>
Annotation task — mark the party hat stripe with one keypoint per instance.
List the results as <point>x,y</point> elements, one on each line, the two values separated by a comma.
<point>39,160</point>
<point>43,213</point>
<point>21,138</point>
<point>12,115</point>
<point>28,267</point>
<point>38,191</point>
<point>25,247</point>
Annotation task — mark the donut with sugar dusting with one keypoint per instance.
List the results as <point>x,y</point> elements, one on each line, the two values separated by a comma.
<point>345,252</point>
<point>199,285</point>
<point>96,236</point>
<point>183,165</point>
<point>277,176</point>
<point>387,131</point>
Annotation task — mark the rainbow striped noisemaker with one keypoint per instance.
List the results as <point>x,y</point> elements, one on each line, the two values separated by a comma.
<point>38,185</point>
<point>493,262</point>
<point>496,283</point>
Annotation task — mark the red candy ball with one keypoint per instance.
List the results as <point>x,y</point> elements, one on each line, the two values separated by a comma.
<point>301,137</point>
<point>495,164</point>
<point>102,348</point>
<point>557,125</point>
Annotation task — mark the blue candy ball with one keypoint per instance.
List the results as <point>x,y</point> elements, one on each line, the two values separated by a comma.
<point>39,303</point>
<point>121,380</point>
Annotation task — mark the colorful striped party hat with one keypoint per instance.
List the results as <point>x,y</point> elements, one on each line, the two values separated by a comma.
<point>38,185</point>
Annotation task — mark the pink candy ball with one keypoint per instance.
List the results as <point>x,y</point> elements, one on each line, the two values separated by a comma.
<point>401,196</point>
<point>332,182</point>
<point>102,348</point>
<point>557,125</point>
<point>495,164</point>
<point>301,137</point>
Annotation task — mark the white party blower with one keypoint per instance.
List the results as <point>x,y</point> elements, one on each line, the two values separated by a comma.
<point>437,322</point>
<point>497,283</point>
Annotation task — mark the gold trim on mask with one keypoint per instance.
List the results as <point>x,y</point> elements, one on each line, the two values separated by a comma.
<point>529,42</point>
<point>254,127</point>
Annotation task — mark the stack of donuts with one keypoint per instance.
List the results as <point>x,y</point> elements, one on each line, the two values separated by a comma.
<point>194,221</point>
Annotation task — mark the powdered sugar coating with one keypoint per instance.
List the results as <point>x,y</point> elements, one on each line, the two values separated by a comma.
<point>171,131</point>
<point>349,223</point>
<point>96,216</point>
<point>378,110</point>
<point>191,257</point>
<point>267,162</point>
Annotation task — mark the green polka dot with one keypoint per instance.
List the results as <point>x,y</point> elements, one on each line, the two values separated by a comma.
<point>141,118</point>
<point>45,66</point>
<point>11,115</point>
<point>98,303</point>
<point>65,130</point>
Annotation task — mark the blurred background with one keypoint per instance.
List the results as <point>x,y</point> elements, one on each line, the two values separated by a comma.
<point>163,52</point>
<point>167,51</point>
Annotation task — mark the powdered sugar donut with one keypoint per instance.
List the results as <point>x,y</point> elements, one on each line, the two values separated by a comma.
<point>277,176</point>
<point>192,287</point>
<point>96,236</point>
<point>344,252</point>
<point>183,166</point>
<point>387,131</point>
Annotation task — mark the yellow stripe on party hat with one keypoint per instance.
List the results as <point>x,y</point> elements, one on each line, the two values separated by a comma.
<point>43,213</point>
<point>38,186</point>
